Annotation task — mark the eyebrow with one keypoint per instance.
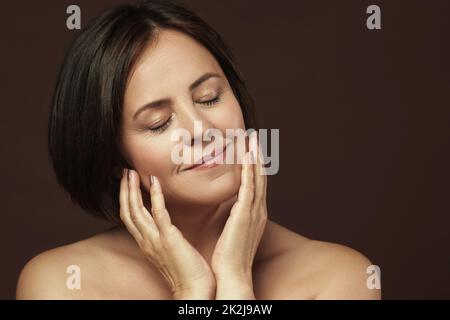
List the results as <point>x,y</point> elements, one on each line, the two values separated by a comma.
<point>163,101</point>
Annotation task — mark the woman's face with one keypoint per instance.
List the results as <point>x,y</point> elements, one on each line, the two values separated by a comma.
<point>166,71</point>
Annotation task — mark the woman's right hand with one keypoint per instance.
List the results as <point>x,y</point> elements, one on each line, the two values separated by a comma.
<point>188,274</point>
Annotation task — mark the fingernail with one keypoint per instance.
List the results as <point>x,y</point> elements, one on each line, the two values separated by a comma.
<point>124,172</point>
<point>253,156</point>
<point>152,179</point>
<point>130,174</point>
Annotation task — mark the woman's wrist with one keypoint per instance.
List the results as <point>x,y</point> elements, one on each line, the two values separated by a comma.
<point>235,289</point>
<point>195,294</point>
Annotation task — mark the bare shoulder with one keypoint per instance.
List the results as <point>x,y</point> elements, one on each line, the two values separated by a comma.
<point>45,275</point>
<point>53,274</point>
<point>319,269</point>
<point>343,271</point>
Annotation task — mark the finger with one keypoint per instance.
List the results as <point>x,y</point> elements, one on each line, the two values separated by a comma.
<point>264,175</point>
<point>124,208</point>
<point>139,214</point>
<point>246,190</point>
<point>261,175</point>
<point>159,211</point>
<point>257,168</point>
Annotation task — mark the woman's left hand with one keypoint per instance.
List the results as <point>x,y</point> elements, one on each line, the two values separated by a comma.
<point>233,256</point>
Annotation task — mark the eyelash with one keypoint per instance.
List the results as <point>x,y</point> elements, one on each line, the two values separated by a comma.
<point>162,127</point>
<point>166,124</point>
<point>212,101</point>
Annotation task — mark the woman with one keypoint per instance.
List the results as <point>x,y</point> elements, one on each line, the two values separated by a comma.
<point>131,78</point>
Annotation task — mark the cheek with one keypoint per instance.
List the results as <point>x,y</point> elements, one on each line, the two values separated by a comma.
<point>229,117</point>
<point>151,157</point>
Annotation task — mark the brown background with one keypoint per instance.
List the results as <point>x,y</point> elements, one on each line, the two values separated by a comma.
<point>363,118</point>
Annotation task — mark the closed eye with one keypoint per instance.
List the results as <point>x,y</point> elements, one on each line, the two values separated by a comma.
<point>212,101</point>
<point>166,124</point>
<point>163,126</point>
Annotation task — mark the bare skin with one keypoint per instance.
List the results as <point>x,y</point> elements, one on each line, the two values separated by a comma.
<point>218,252</point>
<point>116,264</point>
<point>113,267</point>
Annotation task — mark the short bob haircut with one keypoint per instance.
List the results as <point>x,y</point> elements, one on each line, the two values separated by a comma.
<point>86,108</point>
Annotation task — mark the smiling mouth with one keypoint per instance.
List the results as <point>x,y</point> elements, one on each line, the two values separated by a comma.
<point>208,161</point>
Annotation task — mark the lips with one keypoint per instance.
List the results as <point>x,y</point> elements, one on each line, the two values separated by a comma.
<point>206,158</point>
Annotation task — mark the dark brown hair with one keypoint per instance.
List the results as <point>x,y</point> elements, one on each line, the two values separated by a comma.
<point>86,109</point>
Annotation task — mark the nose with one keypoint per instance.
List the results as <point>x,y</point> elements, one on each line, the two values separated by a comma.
<point>198,125</point>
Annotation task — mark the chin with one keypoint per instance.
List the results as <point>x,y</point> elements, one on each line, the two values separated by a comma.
<point>209,189</point>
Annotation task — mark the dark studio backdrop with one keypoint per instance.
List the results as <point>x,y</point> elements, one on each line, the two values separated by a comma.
<point>363,118</point>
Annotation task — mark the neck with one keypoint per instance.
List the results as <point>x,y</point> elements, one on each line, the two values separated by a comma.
<point>200,225</point>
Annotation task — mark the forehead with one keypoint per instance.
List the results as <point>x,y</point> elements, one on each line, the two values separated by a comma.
<point>169,63</point>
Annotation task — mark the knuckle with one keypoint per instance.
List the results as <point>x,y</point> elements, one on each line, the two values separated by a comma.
<point>157,247</point>
<point>158,211</point>
<point>133,215</point>
<point>122,215</point>
<point>249,187</point>
<point>172,230</point>
<point>147,247</point>
<point>132,206</point>
<point>154,238</point>
<point>264,216</point>
<point>263,219</point>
